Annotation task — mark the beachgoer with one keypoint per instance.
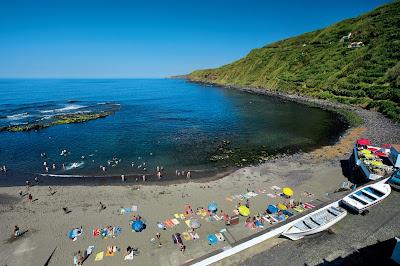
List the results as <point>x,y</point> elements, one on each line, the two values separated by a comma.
<point>137,179</point>
<point>144,178</point>
<point>47,169</point>
<point>176,172</point>
<point>104,168</point>
<point>159,175</point>
<point>44,163</point>
<point>4,168</point>
<point>16,231</point>
<point>182,247</point>
<point>66,211</point>
<point>27,183</point>
<point>54,166</point>
<point>30,197</point>
<point>102,206</point>
<point>158,168</point>
<point>161,226</point>
<point>247,203</point>
<point>188,175</point>
<point>158,236</point>
<point>123,178</point>
<point>36,180</point>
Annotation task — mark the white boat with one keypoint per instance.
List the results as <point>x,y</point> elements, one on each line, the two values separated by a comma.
<point>367,196</point>
<point>316,222</point>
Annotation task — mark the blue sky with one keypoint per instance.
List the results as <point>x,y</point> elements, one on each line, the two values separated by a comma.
<point>150,38</point>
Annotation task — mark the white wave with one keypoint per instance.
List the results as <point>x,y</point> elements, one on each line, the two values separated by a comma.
<point>18,116</point>
<point>74,165</point>
<point>68,107</point>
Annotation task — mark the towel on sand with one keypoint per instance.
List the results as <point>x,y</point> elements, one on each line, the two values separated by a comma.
<point>99,256</point>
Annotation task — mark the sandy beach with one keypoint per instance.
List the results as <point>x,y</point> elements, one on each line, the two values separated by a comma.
<point>313,176</point>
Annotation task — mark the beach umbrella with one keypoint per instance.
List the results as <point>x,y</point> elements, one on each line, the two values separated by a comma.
<point>272,209</point>
<point>195,224</point>
<point>363,141</point>
<point>377,163</point>
<point>212,207</point>
<point>212,239</point>
<point>137,225</point>
<point>281,206</point>
<point>366,152</point>
<point>369,156</point>
<point>243,210</point>
<point>287,191</point>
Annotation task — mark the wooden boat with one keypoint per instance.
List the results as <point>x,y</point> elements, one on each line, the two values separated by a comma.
<point>365,197</point>
<point>316,222</point>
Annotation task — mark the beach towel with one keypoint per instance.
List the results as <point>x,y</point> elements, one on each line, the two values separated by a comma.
<point>262,191</point>
<point>168,223</point>
<point>220,237</point>
<point>175,221</point>
<point>271,195</point>
<point>117,231</point>
<point>252,194</point>
<point>96,232</point>
<point>235,211</point>
<point>222,230</point>
<point>275,188</point>
<point>177,215</point>
<point>187,222</point>
<point>111,251</point>
<point>129,256</point>
<point>194,235</point>
<point>89,250</point>
<point>186,236</point>
<point>217,218</point>
<point>99,256</point>
<point>308,206</point>
<point>299,209</point>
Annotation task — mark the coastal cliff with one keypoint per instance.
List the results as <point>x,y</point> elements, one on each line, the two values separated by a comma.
<point>355,61</point>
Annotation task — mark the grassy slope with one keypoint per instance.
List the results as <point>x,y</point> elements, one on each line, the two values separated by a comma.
<point>318,65</point>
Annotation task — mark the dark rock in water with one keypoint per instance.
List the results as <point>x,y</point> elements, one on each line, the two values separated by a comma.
<point>58,120</point>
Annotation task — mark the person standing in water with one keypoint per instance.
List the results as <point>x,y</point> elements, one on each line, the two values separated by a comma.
<point>188,175</point>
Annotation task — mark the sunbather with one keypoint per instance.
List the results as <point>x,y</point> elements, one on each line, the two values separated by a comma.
<point>16,231</point>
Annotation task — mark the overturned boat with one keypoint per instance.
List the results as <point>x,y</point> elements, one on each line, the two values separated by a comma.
<point>365,197</point>
<point>316,222</point>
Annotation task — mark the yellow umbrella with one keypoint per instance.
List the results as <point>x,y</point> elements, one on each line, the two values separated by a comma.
<point>243,210</point>
<point>281,206</point>
<point>366,151</point>
<point>287,191</point>
<point>369,156</point>
<point>377,163</point>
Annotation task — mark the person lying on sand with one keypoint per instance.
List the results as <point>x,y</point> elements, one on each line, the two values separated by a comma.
<point>17,232</point>
<point>102,206</point>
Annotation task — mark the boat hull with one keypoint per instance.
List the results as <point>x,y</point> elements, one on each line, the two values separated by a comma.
<point>291,234</point>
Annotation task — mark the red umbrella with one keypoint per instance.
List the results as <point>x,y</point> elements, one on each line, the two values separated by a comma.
<point>363,142</point>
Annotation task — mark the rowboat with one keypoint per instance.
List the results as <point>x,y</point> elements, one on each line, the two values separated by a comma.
<point>316,222</point>
<point>365,197</point>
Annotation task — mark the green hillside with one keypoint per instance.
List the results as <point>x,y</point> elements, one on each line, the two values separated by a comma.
<point>320,64</point>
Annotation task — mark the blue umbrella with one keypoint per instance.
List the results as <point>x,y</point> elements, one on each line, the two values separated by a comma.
<point>272,208</point>
<point>137,225</point>
<point>212,207</point>
<point>212,239</point>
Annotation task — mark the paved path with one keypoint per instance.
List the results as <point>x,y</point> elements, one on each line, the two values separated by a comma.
<point>353,241</point>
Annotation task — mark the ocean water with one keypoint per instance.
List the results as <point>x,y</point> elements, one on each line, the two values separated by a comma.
<point>160,122</point>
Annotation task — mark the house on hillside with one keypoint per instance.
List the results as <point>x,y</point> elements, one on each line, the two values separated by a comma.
<point>345,38</point>
<point>355,45</point>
